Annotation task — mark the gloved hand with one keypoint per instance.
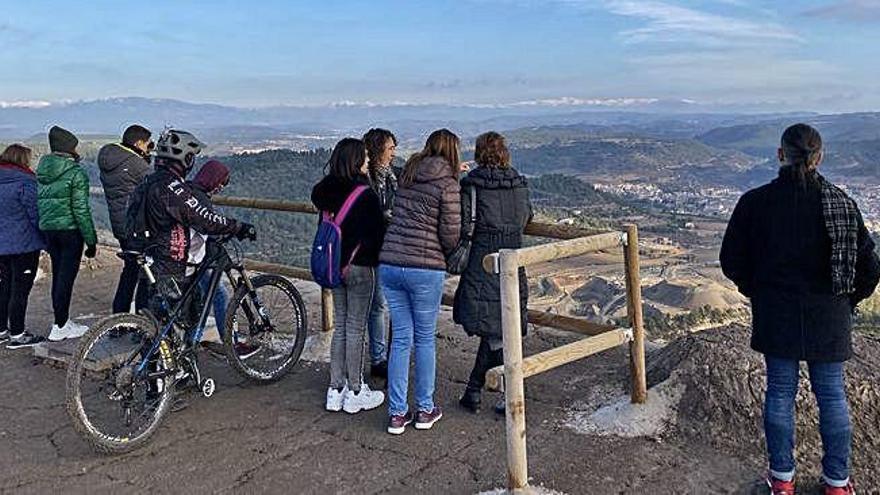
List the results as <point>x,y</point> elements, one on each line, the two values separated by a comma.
<point>91,251</point>
<point>246,231</point>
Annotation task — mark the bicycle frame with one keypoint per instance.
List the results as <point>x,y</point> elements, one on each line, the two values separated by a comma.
<point>221,264</point>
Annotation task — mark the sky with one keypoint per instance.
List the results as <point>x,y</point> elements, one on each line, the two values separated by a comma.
<point>819,55</point>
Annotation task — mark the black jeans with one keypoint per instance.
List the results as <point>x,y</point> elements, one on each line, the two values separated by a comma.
<point>486,360</point>
<point>17,274</point>
<point>130,286</point>
<point>66,250</point>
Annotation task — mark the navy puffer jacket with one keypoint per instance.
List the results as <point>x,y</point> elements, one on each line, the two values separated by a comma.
<point>19,221</point>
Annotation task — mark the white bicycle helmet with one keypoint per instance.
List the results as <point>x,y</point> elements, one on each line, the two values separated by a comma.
<point>179,145</point>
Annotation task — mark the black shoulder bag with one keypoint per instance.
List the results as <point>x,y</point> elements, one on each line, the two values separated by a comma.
<point>457,261</point>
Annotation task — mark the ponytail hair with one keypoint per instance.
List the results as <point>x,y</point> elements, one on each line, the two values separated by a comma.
<point>802,151</point>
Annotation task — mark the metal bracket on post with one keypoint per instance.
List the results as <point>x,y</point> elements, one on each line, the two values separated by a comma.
<point>628,334</point>
<point>624,239</point>
<point>492,263</point>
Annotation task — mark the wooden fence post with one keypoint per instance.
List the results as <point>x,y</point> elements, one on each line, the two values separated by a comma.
<point>517,463</point>
<point>636,321</point>
<point>326,310</point>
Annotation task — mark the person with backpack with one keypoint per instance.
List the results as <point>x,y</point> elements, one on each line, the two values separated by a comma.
<point>799,250</point>
<point>66,220</point>
<point>496,209</point>
<point>344,257</point>
<point>381,145</point>
<point>425,228</point>
<point>20,244</point>
<point>163,209</point>
<point>123,166</point>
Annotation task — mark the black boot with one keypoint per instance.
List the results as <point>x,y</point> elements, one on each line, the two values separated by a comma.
<point>471,400</point>
<point>379,370</point>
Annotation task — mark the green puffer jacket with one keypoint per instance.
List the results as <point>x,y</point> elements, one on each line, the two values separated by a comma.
<point>63,197</point>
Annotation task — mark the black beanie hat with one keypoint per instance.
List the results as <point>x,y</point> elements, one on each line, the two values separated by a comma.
<point>62,140</point>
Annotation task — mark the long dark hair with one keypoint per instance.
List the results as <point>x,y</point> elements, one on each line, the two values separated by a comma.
<point>442,143</point>
<point>802,151</point>
<point>347,159</point>
<point>375,140</point>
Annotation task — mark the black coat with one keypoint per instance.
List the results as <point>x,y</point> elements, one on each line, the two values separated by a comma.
<point>171,210</point>
<point>363,228</point>
<point>122,170</point>
<point>503,210</point>
<point>778,253</point>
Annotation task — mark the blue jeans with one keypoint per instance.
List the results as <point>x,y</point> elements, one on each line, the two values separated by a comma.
<point>414,302</point>
<point>221,298</point>
<point>378,325</point>
<point>834,424</point>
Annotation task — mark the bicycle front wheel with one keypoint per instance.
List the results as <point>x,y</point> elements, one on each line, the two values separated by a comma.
<point>117,392</point>
<point>265,332</point>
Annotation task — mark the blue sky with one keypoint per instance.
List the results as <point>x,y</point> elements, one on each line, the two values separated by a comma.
<point>805,55</point>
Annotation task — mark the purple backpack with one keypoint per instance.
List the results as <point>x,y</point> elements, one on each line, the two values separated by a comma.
<point>328,268</point>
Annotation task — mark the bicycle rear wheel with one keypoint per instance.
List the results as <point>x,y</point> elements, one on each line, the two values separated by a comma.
<point>115,406</point>
<point>265,352</point>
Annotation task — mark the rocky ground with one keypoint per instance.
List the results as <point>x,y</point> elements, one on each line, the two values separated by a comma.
<point>278,438</point>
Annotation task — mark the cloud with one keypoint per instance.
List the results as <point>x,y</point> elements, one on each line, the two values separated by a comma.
<point>666,22</point>
<point>849,10</point>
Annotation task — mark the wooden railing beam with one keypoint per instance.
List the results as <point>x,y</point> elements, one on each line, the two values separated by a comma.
<point>562,355</point>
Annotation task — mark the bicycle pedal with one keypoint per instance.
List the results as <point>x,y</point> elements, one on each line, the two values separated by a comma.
<point>208,387</point>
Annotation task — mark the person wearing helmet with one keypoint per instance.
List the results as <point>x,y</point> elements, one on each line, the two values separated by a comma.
<point>170,209</point>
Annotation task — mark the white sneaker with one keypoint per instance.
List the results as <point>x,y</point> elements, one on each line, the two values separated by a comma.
<point>335,399</point>
<point>56,335</point>
<point>70,330</point>
<point>75,329</point>
<point>364,400</point>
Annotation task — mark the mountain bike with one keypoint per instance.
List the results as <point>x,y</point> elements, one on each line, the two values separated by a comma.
<point>122,379</point>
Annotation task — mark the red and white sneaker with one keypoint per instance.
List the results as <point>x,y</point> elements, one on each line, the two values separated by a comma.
<point>779,487</point>
<point>849,489</point>
<point>425,420</point>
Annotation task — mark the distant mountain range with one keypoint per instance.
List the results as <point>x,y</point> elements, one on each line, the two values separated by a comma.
<point>630,139</point>
<point>20,120</point>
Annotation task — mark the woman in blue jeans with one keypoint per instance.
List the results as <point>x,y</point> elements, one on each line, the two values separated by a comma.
<point>424,228</point>
<point>798,248</point>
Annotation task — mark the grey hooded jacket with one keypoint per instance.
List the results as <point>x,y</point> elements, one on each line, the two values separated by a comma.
<point>122,169</point>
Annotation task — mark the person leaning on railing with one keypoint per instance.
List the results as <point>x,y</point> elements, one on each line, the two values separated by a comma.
<point>798,248</point>
<point>503,210</point>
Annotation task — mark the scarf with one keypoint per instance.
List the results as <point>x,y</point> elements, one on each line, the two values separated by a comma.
<point>385,183</point>
<point>841,215</point>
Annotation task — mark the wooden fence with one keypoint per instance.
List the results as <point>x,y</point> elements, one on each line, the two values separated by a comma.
<point>573,241</point>
<point>537,229</point>
<point>506,263</point>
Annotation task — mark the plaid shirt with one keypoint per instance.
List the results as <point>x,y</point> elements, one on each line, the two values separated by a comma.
<point>842,222</point>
